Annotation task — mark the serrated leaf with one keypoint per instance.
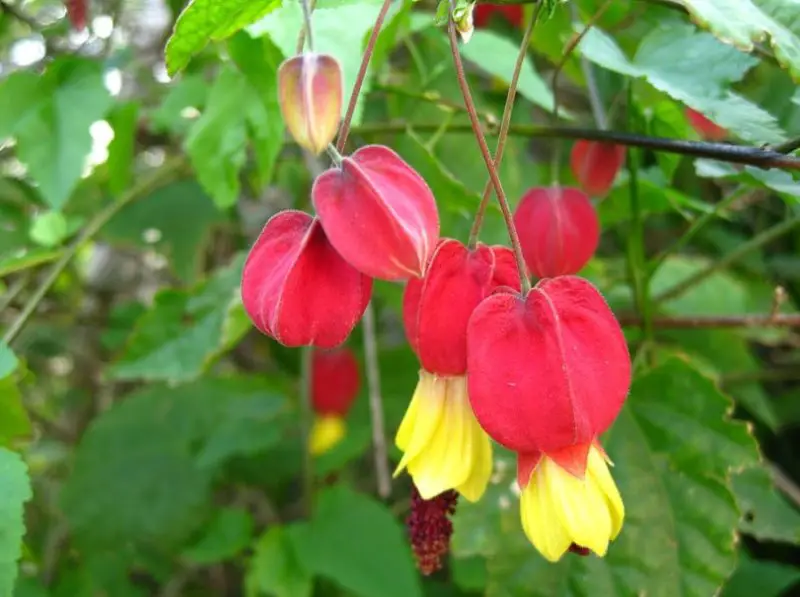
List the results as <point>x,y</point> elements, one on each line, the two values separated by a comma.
<point>764,578</point>
<point>50,118</point>
<point>177,220</point>
<point>135,475</point>
<point>183,332</point>
<point>747,22</point>
<point>16,491</point>
<point>228,533</point>
<point>242,104</point>
<point>204,20</point>
<point>275,568</point>
<point>767,514</point>
<point>704,89</point>
<point>674,449</point>
<point>357,542</point>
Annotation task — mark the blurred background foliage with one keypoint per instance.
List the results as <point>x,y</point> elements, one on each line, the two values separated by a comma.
<point>150,438</point>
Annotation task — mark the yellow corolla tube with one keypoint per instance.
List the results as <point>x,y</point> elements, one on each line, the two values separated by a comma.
<point>559,509</point>
<point>443,445</point>
<point>326,432</point>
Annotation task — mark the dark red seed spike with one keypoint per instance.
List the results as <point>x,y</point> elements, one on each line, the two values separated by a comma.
<point>577,549</point>
<point>430,528</point>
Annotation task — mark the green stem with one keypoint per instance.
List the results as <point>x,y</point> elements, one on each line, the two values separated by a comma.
<point>380,451</point>
<point>157,178</point>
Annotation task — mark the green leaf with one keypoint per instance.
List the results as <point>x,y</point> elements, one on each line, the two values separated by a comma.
<point>16,491</point>
<point>177,220</point>
<point>49,229</point>
<point>183,332</point>
<point>216,20</point>
<point>135,475</point>
<point>8,360</point>
<point>339,30</point>
<point>26,259</point>
<point>497,55</point>
<point>275,568</point>
<point>228,533</point>
<point>121,150</point>
<point>190,91</point>
<point>747,22</point>
<point>760,577</point>
<point>50,118</point>
<point>704,89</point>
<point>356,542</point>
<point>14,422</point>
<point>242,104</point>
<point>767,514</point>
<point>674,449</point>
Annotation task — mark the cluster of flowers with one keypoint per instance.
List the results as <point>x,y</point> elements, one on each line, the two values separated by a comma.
<point>543,373</point>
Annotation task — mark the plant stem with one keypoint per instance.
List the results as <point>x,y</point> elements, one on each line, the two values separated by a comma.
<point>504,125</point>
<point>757,241</point>
<point>344,130</point>
<point>725,152</point>
<point>595,102</point>
<point>380,452</point>
<point>306,415</point>
<point>157,178</point>
<point>306,33</point>
<point>487,158</point>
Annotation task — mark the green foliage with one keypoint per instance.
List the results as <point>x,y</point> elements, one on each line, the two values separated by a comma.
<point>16,491</point>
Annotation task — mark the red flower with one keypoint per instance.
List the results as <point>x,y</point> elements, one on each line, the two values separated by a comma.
<point>76,13</point>
<point>378,213</point>
<point>297,289</point>
<point>558,230</point>
<point>705,127</point>
<point>547,371</point>
<point>513,13</point>
<point>595,165</point>
<point>334,381</point>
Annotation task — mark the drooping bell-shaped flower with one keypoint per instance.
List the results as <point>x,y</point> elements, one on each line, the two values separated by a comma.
<point>705,127</point>
<point>577,508</point>
<point>297,289</point>
<point>513,13</point>
<point>443,446</point>
<point>310,97</point>
<point>558,229</point>
<point>378,213</point>
<point>334,386</point>
<point>595,165</point>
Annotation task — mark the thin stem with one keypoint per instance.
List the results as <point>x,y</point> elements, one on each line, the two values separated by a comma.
<point>595,102</point>
<point>715,321</point>
<point>636,253</point>
<point>695,228</point>
<point>788,146</point>
<point>504,125</point>
<point>735,154</point>
<point>487,158</point>
<point>754,243</point>
<point>306,33</point>
<point>344,130</point>
<point>334,154</point>
<point>163,174</point>
<point>306,415</point>
<point>13,291</point>
<point>380,452</point>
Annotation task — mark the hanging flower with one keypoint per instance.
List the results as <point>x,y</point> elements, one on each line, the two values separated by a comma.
<point>378,213</point>
<point>547,374</point>
<point>558,229</point>
<point>310,98</point>
<point>334,388</point>
<point>297,289</point>
<point>443,445</point>
<point>595,165</point>
<point>513,13</point>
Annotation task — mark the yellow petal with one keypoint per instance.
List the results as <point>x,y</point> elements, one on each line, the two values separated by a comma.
<point>422,418</point>
<point>326,432</point>
<point>540,520</point>
<point>479,450</point>
<point>598,471</point>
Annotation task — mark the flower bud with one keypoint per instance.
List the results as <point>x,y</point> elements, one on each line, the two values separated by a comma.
<point>513,13</point>
<point>547,371</point>
<point>310,97</point>
<point>334,381</point>
<point>378,213</point>
<point>297,289</point>
<point>436,308</point>
<point>595,165</point>
<point>704,127</point>
<point>463,21</point>
<point>558,230</point>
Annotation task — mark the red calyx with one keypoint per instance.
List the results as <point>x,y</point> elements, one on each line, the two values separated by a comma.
<point>297,289</point>
<point>482,14</point>
<point>558,229</point>
<point>548,371</point>
<point>437,308</point>
<point>378,213</point>
<point>595,165</point>
<point>705,127</point>
<point>334,381</point>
